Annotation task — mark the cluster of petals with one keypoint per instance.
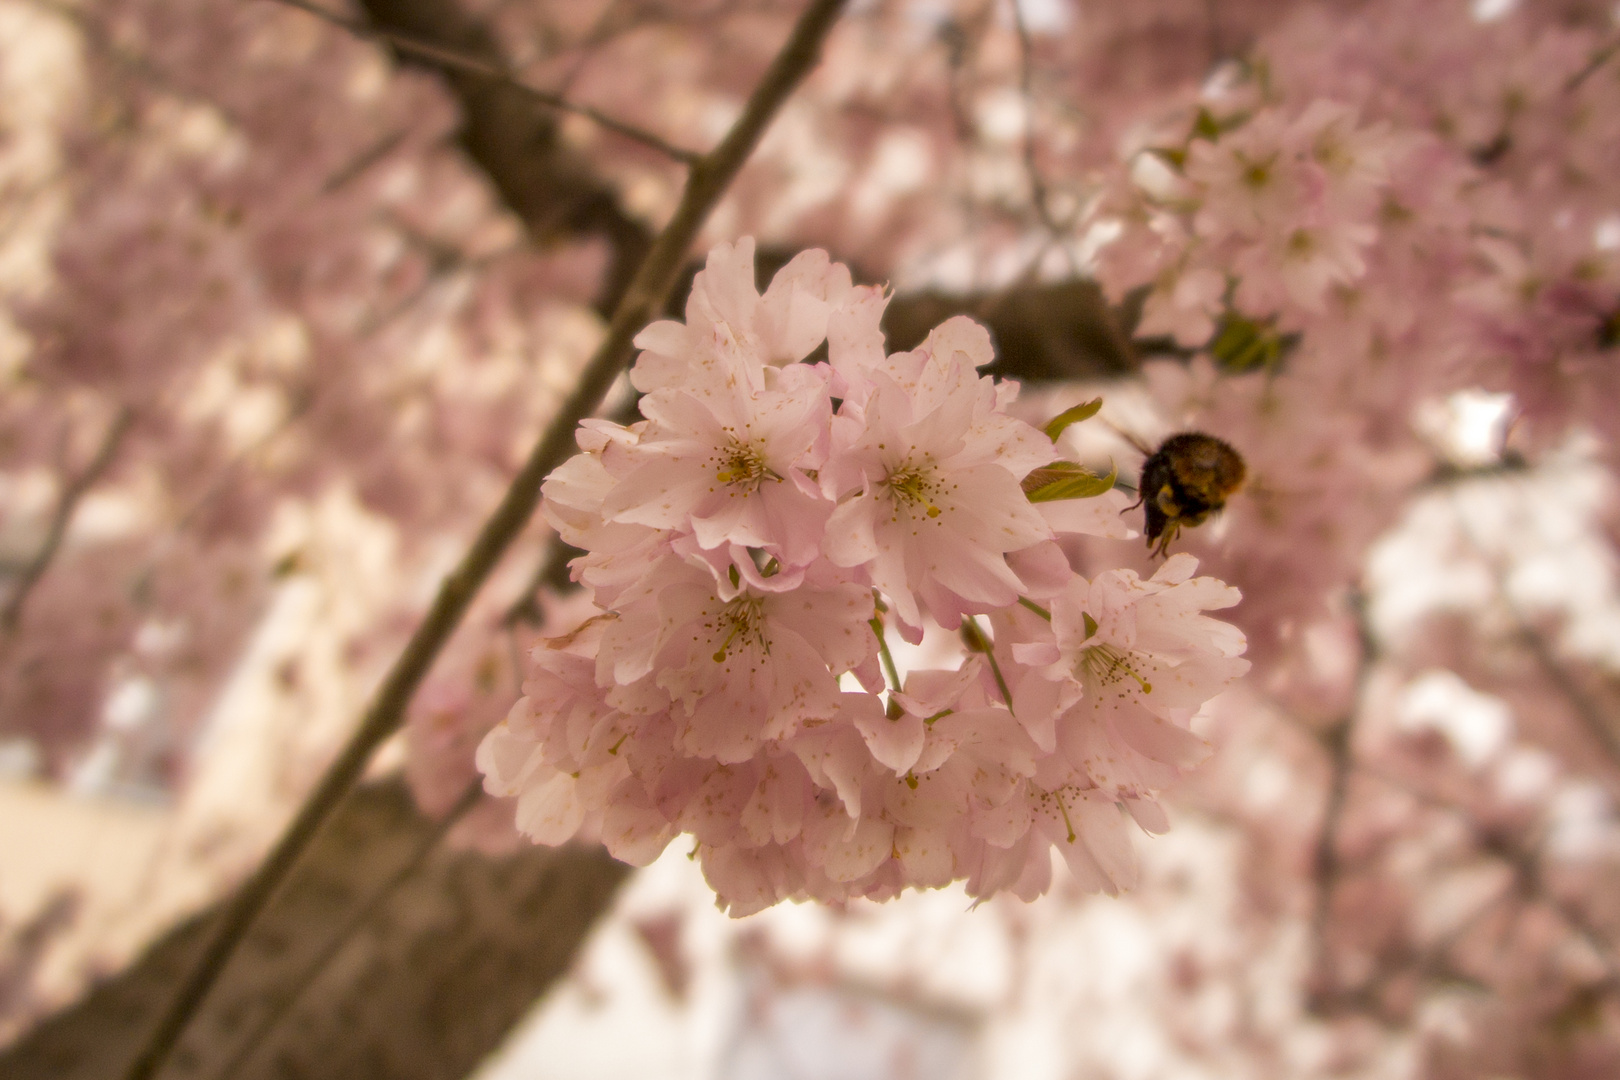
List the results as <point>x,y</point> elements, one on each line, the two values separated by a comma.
<point>1258,208</point>
<point>754,546</point>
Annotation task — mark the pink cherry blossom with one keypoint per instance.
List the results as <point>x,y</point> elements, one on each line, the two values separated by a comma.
<point>927,471</point>
<point>746,542</point>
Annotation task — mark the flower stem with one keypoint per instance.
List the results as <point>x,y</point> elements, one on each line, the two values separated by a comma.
<point>1058,794</point>
<point>980,643</point>
<point>1036,608</point>
<point>883,650</point>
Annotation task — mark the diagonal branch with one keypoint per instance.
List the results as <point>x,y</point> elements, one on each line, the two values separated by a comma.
<point>1593,65</point>
<point>1596,720</point>
<point>289,996</point>
<point>1592,716</point>
<point>706,183</point>
<point>61,519</point>
<point>450,59</point>
<point>515,140</point>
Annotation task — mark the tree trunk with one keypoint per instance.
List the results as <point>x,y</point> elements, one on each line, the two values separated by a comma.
<point>444,954</point>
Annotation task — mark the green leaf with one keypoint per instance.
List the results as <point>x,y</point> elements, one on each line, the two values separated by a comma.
<point>1206,126</point>
<point>1083,411</point>
<point>1242,344</point>
<point>1066,480</point>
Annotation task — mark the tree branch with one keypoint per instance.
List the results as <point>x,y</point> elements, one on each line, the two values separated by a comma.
<point>706,183</point>
<point>62,518</point>
<point>451,60</point>
<point>1598,59</point>
<point>1599,725</point>
<point>447,962</point>
<point>1026,84</point>
<point>515,140</point>
<point>1597,722</point>
<point>283,1003</point>
<point>1337,744</point>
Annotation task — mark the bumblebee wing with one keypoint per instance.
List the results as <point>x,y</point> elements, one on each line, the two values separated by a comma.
<point>1136,442</point>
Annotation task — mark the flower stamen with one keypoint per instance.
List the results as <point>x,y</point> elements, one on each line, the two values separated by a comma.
<point>744,620</point>
<point>744,465</point>
<point>914,486</point>
<point>1107,664</point>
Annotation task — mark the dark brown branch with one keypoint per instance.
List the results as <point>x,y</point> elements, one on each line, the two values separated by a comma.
<point>706,183</point>
<point>66,504</point>
<point>283,1002</point>
<point>428,985</point>
<point>364,160</point>
<point>515,140</point>
<point>454,61</point>
<point>1060,331</point>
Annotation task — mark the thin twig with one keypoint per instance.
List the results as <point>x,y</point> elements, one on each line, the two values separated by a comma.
<point>1599,58</point>
<point>66,504</point>
<point>364,160</point>
<point>1026,81</point>
<point>455,61</point>
<point>1523,861</point>
<point>1337,744</point>
<point>706,182</point>
<point>1597,722</point>
<point>282,1005</point>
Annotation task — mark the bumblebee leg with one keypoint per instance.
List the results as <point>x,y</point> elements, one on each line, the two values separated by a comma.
<point>1172,529</point>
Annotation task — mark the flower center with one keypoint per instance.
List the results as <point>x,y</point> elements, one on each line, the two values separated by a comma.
<point>743,465</point>
<point>1256,174</point>
<point>914,486</point>
<point>1110,666</point>
<point>741,619</point>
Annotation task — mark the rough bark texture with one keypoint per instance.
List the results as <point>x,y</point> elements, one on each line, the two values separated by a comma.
<point>427,984</point>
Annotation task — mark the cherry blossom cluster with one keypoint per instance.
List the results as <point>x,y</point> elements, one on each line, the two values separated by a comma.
<point>757,542</point>
<point>1257,208</point>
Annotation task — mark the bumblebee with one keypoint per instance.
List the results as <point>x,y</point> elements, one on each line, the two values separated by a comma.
<point>1189,477</point>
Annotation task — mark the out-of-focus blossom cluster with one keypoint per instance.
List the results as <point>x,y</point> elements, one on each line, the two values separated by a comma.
<point>1362,218</point>
<point>754,545</point>
<point>1372,226</point>
<point>1258,208</point>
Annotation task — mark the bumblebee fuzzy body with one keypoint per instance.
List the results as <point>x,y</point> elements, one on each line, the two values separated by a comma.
<point>1189,477</point>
